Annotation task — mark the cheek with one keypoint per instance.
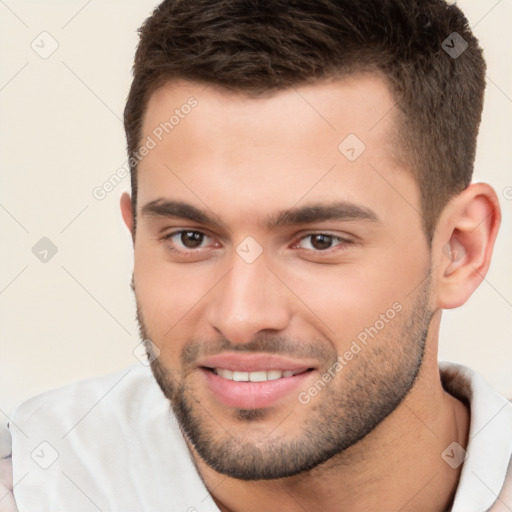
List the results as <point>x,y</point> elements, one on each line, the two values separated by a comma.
<point>169,295</point>
<point>349,299</point>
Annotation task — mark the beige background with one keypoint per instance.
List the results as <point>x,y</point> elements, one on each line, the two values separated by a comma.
<point>61,136</point>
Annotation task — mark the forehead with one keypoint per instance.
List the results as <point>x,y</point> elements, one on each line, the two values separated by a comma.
<point>331,138</point>
<point>360,102</point>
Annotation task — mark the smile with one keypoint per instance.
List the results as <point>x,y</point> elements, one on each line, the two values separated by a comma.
<point>257,376</point>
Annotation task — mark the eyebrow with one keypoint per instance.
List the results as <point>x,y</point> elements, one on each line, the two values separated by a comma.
<point>338,211</point>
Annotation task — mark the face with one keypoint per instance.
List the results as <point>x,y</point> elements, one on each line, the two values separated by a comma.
<point>280,270</point>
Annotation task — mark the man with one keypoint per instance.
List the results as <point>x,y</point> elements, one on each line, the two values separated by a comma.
<point>301,214</point>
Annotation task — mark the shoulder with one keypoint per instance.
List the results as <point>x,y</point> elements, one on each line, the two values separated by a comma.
<point>118,403</point>
<point>112,439</point>
<point>122,390</point>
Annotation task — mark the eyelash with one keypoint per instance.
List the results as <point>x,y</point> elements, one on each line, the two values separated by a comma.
<point>341,243</point>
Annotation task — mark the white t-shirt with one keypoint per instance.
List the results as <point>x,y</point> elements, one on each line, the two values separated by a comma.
<point>112,444</point>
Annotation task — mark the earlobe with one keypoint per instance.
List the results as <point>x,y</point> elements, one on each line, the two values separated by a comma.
<point>126,211</point>
<point>464,242</point>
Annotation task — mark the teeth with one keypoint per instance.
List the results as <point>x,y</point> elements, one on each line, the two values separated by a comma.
<point>227,374</point>
<point>259,376</point>
<point>240,376</point>
<point>274,374</point>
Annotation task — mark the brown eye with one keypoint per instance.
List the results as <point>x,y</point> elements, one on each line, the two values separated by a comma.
<point>321,242</point>
<point>318,242</point>
<point>192,239</point>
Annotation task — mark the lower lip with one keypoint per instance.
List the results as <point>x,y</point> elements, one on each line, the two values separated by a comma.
<point>252,395</point>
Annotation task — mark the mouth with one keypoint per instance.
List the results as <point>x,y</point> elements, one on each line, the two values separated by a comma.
<point>256,376</point>
<point>254,381</point>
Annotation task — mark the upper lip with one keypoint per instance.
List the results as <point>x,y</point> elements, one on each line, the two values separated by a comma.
<point>254,362</point>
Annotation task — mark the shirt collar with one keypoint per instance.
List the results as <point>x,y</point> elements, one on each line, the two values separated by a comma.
<point>489,447</point>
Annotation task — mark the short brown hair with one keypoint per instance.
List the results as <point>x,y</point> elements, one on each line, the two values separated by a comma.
<point>257,47</point>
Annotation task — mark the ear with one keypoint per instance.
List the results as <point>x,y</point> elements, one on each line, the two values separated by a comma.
<point>127,213</point>
<point>463,243</point>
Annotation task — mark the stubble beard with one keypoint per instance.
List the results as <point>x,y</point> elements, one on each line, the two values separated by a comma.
<point>361,396</point>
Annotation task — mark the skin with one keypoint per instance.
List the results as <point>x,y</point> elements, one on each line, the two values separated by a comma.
<point>243,161</point>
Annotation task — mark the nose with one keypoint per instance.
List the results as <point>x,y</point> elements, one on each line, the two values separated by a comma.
<point>249,300</point>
